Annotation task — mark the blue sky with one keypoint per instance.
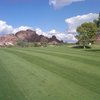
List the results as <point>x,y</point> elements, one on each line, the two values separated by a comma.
<point>40,14</point>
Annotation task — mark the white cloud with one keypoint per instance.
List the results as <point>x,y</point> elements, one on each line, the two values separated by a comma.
<point>63,36</point>
<point>61,3</point>
<point>7,29</point>
<point>74,22</point>
<point>4,28</point>
<point>53,31</point>
<point>40,32</point>
<point>70,38</point>
<point>21,28</point>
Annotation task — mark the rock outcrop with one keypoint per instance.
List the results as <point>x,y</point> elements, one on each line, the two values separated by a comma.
<point>9,39</point>
<point>29,36</point>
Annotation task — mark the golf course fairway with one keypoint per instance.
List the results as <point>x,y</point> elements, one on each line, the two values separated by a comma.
<point>50,73</point>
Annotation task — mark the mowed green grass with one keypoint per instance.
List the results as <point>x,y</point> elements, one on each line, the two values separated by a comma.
<point>52,73</point>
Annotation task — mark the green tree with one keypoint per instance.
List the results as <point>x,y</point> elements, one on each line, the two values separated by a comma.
<point>97,22</point>
<point>22,43</point>
<point>87,33</point>
<point>44,41</point>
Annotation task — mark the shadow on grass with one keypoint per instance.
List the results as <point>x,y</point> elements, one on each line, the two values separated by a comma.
<point>81,47</point>
<point>93,50</point>
<point>88,48</point>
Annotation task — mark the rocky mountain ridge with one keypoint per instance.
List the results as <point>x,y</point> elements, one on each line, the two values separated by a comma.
<point>29,36</point>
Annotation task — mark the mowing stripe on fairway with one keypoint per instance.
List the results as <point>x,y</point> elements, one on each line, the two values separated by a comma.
<point>50,74</point>
<point>62,70</point>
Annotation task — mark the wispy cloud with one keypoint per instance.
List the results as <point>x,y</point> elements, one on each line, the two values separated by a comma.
<point>61,3</point>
